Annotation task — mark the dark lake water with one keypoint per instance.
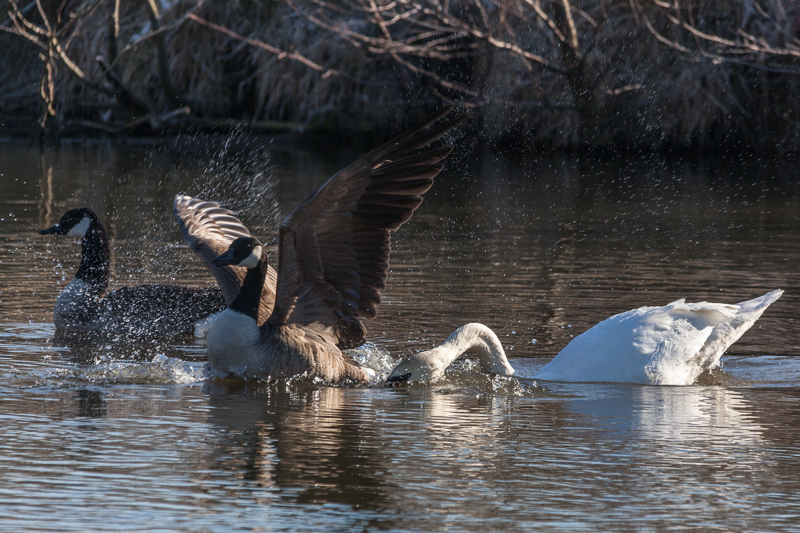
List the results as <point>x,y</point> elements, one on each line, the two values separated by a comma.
<point>130,436</point>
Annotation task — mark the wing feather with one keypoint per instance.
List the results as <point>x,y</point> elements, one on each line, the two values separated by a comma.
<point>334,247</point>
<point>209,229</point>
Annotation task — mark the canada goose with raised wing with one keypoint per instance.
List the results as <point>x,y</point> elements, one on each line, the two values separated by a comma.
<point>670,345</point>
<point>333,258</point>
<point>209,229</point>
<point>85,306</point>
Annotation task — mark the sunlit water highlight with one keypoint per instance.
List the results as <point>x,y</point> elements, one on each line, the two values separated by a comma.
<point>128,435</point>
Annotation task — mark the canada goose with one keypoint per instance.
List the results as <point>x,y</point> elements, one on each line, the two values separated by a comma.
<point>210,229</point>
<point>332,265</point>
<point>84,305</point>
<point>670,345</point>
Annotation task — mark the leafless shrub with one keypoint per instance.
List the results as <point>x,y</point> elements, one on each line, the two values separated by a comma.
<point>567,72</point>
<point>560,72</point>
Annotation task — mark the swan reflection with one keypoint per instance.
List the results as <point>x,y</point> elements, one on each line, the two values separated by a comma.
<point>676,414</point>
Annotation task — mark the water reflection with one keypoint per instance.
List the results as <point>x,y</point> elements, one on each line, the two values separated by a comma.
<point>91,349</point>
<point>102,435</point>
<point>311,444</point>
<point>675,414</point>
<point>589,455</point>
<point>91,403</point>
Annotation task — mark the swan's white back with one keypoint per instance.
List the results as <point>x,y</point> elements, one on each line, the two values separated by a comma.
<point>670,345</point>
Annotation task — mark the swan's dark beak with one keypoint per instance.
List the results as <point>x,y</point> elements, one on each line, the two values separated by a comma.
<point>53,230</point>
<point>226,259</point>
<point>398,379</point>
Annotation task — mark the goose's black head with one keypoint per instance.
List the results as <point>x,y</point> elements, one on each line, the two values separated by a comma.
<point>74,222</point>
<point>244,251</point>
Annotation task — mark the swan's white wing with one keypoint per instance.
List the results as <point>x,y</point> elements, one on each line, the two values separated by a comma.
<point>729,331</point>
<point>672,337</point>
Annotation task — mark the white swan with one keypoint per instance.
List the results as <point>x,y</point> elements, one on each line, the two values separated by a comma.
<point>670,345</point>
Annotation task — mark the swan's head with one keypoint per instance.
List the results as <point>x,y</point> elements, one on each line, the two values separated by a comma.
<point>74,222</point>
<point>423,366</point>
<point>244,251</point>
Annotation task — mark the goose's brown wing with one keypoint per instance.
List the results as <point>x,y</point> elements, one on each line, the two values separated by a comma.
<point>334,247</point>
<point>209,229</point>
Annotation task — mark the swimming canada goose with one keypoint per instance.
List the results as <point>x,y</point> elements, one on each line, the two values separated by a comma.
<point>84,305</point>
<point>333,253</point>
<point>670,345</point>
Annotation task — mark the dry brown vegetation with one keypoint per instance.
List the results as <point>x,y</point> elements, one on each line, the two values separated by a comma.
<point>564,73</point>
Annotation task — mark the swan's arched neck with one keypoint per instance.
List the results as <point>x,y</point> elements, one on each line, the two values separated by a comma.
<point>431,364</point>
<point>484,342</point>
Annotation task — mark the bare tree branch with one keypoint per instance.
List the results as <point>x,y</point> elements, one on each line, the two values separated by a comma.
<point>726,49</point>
<point>294,56</point>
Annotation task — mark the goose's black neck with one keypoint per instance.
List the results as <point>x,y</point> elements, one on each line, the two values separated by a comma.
<point>249,298</point>
<point>95,257</point>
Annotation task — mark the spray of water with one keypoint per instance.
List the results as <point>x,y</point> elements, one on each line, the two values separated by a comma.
<point>234,170</point>
<point>240,176</point>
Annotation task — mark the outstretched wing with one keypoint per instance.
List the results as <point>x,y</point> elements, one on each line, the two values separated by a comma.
<point>209,229</point>
<point>334,247</point>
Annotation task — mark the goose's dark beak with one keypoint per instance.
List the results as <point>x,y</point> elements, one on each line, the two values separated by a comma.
<point>54,230</point>
<point>225,259</point>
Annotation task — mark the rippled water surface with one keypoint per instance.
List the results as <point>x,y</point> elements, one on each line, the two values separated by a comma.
<point>128,435</point>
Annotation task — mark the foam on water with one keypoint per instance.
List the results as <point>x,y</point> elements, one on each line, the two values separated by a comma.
<point>161,369</point>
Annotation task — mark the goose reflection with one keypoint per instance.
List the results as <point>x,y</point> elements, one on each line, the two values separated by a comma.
<point>358,447</point>
<point>92,350</point>
<point>312,443</point>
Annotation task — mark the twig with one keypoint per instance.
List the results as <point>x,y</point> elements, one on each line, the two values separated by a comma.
<point>294,56</point>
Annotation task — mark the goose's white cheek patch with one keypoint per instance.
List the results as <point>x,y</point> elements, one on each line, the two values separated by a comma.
<point>80,228</point>
<point>251,261</point>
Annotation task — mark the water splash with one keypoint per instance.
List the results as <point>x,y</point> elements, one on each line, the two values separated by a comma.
<point>235,170</point>
<point>465,376</point>
<point>240,176</point>
<point>161,369</point>
<point>373,357</point>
